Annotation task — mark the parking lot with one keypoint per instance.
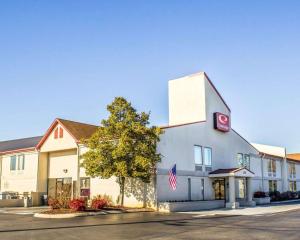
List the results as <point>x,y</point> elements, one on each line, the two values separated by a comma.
<point>153,226</point>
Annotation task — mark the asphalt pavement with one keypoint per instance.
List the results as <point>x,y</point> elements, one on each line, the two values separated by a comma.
<point>152,226</point>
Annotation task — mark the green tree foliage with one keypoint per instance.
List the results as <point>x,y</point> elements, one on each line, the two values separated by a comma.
<point>123,146</point>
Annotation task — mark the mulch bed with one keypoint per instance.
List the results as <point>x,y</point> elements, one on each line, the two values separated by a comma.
<point>111,208</point>
<point>66,211</point>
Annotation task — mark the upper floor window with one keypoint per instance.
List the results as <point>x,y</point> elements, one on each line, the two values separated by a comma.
<point>292,170</point>
<point>207,154</point>
<point>17,162</point>
<point>13,163</point>
<point>58,133</point>
<point>240,159</point>
<point>272,168</point>
<point>243,160</point>
<point>198,155</point>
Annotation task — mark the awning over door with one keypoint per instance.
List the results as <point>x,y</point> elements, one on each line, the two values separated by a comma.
<point>231,172</point>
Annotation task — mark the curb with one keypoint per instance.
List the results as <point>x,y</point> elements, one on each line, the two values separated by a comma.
<point>67,215</point>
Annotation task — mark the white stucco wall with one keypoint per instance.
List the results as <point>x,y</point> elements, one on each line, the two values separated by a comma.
<point>177,143</point>
<point>187,99</point>
<point>20,180</point>
<point>58,161</point>
<point>52,144</point>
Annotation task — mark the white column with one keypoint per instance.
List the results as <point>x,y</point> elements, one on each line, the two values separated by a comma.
<point>232,203</point>
<point>250,201</point>
<point>231,189</point>
<point>249,189</point>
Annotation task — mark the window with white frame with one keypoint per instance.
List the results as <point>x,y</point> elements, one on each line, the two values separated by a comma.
<point>271,168</point>
<point>13,163</point>
<point>272,185</point>
<point>293,186</point>
<point>243,160</point>
<point>198,155</point>
<point>207,155</point>
<point>17,162</point>
<point>240,159</point>
<point>292,170</point>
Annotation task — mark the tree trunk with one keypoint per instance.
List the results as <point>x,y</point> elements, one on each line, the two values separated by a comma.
<point>122,183</point>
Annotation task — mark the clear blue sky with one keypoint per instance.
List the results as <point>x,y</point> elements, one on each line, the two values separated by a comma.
<point>70,58</point>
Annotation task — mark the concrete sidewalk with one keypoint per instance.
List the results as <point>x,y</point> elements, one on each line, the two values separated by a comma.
<point>249,211</point>
<point>23,210</point>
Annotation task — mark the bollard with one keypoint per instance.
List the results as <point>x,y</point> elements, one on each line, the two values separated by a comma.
<point>25,202</point>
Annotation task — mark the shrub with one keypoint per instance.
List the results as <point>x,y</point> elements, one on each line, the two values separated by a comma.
<point>275,196</point>
<point>260,194</point>
<point>77,204</point>
<point>54,203</point>
<point>98,203</point>
<point>106,197</point>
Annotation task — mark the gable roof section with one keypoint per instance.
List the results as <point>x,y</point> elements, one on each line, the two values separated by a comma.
<point>19,144</point>
<point>77,130</point>
<point>294,157</point>
<point>243,171</point>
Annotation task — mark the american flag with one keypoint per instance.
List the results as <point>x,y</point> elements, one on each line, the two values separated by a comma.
<point>172,178</point>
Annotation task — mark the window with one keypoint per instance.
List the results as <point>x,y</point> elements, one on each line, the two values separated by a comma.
<point>243,160</point>
<point>17,162</point>
<point>85,187</point>
<point>293,186</point>
<point>13,163</point>
<point>247,161</point>
<point>271,168</point>
<point>198,155</point>
<point>21,162</point>
<point>61,133</point>
<point>241,188</point>
<point>58,133</point>
<point>292,170</point>
<point>240,159</point>
<point>272,186</point>
<point>207,156</point>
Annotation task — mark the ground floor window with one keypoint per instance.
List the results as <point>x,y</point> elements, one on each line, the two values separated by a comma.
<point>85,184</point>
<point>241,188</point>
<point>293,186</point>
<point>219,189</point>
<point>272,185</point>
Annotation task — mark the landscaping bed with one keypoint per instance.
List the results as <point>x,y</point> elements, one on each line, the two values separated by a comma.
<point>66,208</point>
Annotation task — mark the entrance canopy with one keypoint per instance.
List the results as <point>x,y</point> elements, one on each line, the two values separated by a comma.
<point>231,172</point>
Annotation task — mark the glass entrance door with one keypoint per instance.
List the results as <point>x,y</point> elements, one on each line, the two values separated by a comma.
<point>60,188</point>
<point>219,188</point>
<point>63,188</point>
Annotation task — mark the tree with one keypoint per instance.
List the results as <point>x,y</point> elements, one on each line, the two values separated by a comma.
<point>123,146</point>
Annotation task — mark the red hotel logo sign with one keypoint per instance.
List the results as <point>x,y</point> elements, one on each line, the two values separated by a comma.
<point>221,122</point>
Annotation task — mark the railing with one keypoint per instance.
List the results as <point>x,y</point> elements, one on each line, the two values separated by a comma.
<point>14,195</point>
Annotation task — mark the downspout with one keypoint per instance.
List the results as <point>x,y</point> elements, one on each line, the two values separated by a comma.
<point>262,172</point>
<point>0,174</point>
<point>78,173</point>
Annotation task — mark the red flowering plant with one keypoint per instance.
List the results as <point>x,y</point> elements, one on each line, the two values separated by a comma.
<point>98,203</point>
<point>54,203</point>
<point>77,204</point>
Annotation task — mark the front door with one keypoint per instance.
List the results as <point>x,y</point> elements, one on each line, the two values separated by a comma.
<point>219,188</point>
<point>63,188</point>
<point>60,188</point>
